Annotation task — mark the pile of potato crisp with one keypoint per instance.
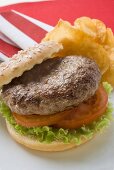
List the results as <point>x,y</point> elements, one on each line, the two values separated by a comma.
<point>89,38</point>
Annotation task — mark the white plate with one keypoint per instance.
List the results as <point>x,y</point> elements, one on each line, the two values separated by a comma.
<point>98,154</point>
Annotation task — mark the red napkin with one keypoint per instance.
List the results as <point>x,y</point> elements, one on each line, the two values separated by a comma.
<point>51,11</point>
<point>8,49</point>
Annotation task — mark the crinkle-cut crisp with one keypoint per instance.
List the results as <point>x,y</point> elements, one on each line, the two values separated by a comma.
<point>98,31</point>
<point>25,60</point>
<point>93,27</point>
<point>78,42</point>
<point>109,75</point>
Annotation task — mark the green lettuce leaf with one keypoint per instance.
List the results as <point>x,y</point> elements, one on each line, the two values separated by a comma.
<point>48,134</point>
<point>107,87</point>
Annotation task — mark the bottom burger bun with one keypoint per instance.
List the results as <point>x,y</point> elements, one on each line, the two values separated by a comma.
<point>36,145</point>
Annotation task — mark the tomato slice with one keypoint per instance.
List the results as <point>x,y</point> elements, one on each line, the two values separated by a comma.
<point>39,120</point>
<point>86,112</point>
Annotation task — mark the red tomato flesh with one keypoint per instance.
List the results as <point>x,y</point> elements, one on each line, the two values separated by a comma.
<point>86,112</point>
<point>83,114</point>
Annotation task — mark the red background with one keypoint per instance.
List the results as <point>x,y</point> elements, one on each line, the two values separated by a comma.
<point>51,12</point>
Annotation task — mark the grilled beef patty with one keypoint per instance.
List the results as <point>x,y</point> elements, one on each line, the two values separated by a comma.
<point>55,85</point>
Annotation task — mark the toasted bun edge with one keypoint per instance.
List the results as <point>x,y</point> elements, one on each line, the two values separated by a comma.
<point>26,59</point>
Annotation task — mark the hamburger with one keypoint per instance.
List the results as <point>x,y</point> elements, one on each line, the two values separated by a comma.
<point>53,103</point>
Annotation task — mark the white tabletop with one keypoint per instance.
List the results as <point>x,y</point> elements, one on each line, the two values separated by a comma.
<point>8,2</point>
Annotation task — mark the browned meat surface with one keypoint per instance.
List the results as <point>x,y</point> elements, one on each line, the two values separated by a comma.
<point>55,85</point>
